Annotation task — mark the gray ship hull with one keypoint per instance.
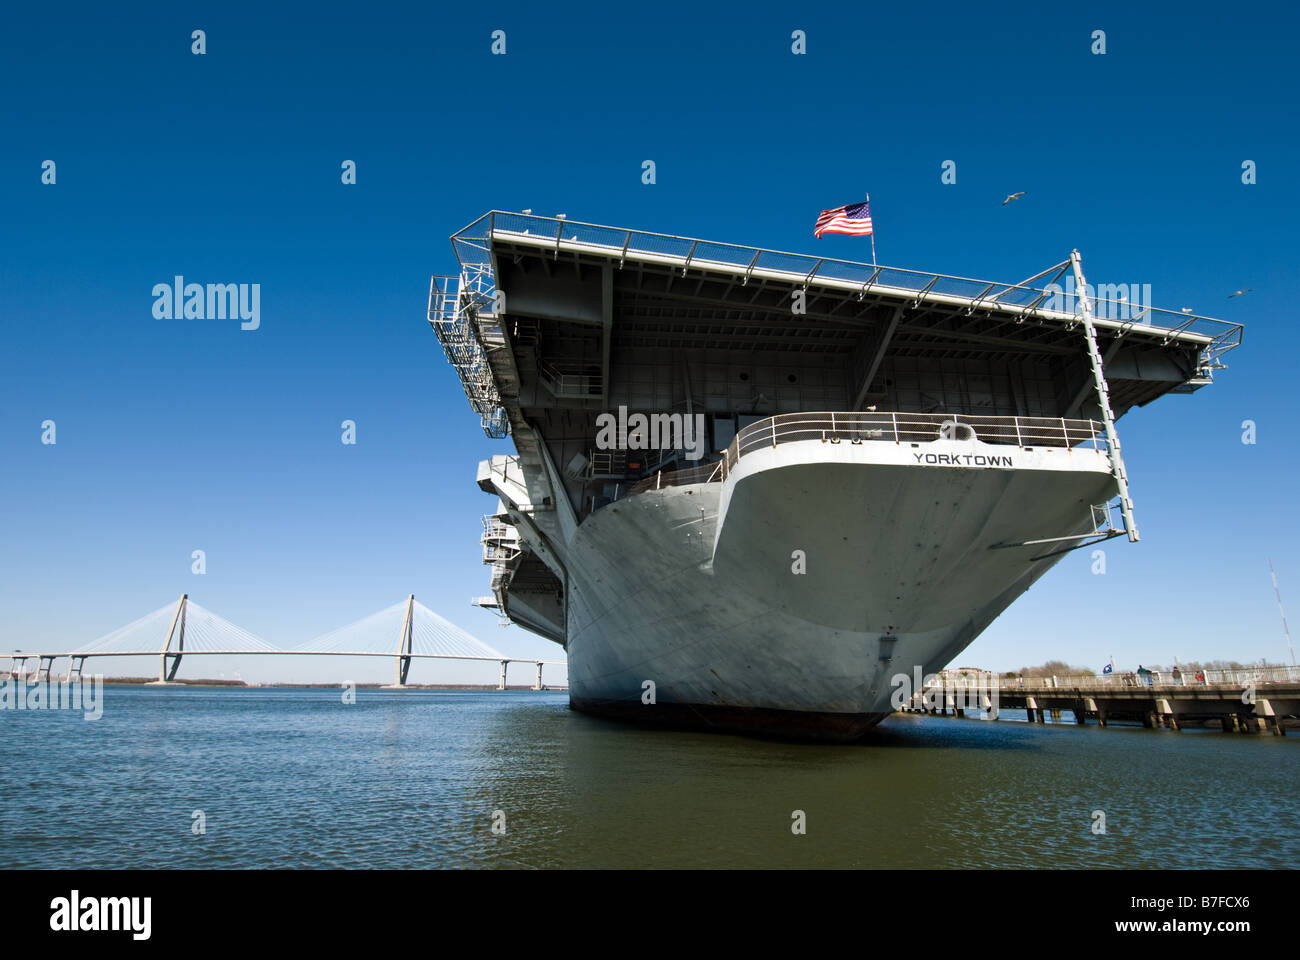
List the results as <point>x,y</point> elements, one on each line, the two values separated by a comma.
<point>787,598</point>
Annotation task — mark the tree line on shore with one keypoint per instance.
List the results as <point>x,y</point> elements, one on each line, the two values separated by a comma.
<point>1059,668</point>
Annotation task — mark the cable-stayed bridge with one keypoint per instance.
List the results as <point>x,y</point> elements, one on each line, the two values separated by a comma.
<point>404,632</point>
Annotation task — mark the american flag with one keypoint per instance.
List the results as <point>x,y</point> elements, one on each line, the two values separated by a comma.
<point>854,219</point>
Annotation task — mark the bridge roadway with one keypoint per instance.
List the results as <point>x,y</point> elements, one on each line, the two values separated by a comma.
<point>76,661</point>
<point>197,631</point>
<point>1244,705</point>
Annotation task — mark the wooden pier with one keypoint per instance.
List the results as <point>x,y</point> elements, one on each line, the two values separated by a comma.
<point>1242,705</point>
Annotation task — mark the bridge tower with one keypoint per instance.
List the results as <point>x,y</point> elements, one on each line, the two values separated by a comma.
<point>404,645</point>
<point>166,670</point>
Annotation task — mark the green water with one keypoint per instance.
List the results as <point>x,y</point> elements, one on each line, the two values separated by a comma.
<point>297,778</point>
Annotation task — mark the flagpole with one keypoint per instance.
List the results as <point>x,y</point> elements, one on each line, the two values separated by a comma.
<point>873,232</point>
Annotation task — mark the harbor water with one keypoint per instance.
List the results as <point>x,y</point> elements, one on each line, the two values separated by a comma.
<point>207,777</point>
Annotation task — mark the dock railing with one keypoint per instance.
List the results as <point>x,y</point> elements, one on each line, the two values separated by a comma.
<point>1110,681</point>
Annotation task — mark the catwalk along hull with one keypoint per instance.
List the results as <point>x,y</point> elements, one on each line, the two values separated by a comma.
<point>785,598</point>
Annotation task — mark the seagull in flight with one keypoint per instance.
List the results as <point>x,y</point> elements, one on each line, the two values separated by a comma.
<point>1187,309</point>
<point>1014,196</point>
<point>1238,293</point>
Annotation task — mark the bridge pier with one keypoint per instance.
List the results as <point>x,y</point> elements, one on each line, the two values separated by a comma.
<point>75,667</point>
<point>501,684</point>
<point>1268,718</point>
<point>1167,715</point>
<point>171,662</point>
<point>986,702</point>
<point>538,684</point>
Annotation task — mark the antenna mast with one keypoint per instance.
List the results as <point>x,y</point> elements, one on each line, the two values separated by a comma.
<point>1278,594</point>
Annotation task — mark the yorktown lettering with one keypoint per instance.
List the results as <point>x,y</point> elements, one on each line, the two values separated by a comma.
<point>214,301</point>
<point>19,693</point>
<point>963,459</point>
<point>70,914</point>
<point>658,431</point>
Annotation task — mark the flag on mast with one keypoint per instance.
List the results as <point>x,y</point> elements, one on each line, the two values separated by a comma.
<point>853,219</point>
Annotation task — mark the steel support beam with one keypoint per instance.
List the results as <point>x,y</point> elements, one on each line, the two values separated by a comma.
<point>606,328</point>
<point>878,358</point>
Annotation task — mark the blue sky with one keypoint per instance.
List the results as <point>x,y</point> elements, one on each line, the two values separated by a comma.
<point>176,435</point>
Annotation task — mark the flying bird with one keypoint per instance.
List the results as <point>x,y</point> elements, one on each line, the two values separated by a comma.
<point>1238,293</point>
<point>528,211</point>
<point>1014,196</point>
<point>1187,309</point>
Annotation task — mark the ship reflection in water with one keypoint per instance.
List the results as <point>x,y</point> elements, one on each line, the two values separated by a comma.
<point>412,779</point>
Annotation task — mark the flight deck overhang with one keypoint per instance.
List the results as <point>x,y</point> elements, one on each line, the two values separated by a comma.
<point>706,278</point>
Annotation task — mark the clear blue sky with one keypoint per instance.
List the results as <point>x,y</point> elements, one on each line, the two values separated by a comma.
<point>176,435</point>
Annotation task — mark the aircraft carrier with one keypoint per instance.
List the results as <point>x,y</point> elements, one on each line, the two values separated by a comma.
<point>749,487</point>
